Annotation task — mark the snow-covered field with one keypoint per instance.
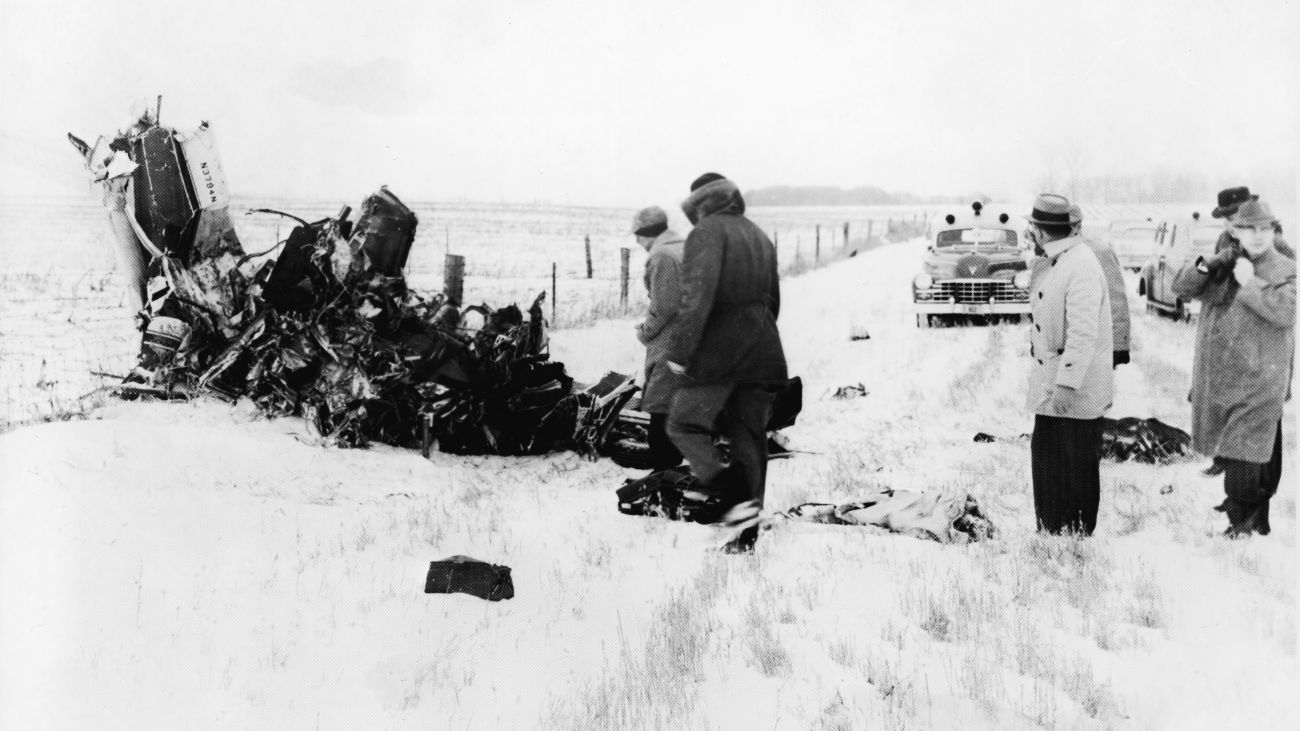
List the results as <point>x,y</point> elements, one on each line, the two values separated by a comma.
<point>193,566</point>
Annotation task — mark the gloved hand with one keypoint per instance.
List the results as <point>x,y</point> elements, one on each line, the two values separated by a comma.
<point>1243,271</point>
<point>677,368</point>
<point>1064,399</point>
<point>1119,358</point>
<point>1220,263</point>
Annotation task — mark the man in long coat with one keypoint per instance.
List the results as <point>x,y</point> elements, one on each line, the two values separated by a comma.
<point>663,282</point>
<point>1241,372</point>
<point>1120,320</point>
<point>1071,382</point>
<point>727,347</point>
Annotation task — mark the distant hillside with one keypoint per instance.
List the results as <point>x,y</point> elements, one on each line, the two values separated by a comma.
<point>825,195</point>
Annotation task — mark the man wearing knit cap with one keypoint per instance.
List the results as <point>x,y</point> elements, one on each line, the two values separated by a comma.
<point>663,281</point>
<point>727,348</point>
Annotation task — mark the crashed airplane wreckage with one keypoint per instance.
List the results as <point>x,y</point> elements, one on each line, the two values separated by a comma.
<point>328,330</point>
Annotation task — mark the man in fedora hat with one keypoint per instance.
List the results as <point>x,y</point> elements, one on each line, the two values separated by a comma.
<point>663,282</point>
<point>1242,367</point>
<point>727,348</point>
<point>1071,380</point>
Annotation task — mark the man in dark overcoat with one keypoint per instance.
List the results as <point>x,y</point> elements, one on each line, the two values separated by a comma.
<point>727,348</point>
<point>1242,367</point>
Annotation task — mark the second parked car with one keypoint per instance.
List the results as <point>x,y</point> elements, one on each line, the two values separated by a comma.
<point>1185,241</point>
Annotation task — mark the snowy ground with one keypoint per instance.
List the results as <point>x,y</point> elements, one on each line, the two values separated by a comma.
<point>190,565</point>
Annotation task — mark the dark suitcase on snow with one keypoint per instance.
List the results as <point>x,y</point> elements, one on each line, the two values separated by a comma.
<point>465,575</point>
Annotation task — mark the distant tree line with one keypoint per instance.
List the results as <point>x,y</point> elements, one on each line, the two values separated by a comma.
<point>825,195</point>
<point>1157,187</point>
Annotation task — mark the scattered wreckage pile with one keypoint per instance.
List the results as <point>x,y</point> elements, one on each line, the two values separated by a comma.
<point>328,330</point>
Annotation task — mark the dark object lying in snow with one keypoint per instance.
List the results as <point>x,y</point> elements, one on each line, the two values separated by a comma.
<point>942,518</point>
<point>856,390</point>
<point>629,447</point>
<point>674,494</point>
<point>1150,441</point>
<point>465,575</point>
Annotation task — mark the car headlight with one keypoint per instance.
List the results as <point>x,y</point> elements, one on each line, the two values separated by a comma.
<point>923,281</point>
<point>1021,280</point>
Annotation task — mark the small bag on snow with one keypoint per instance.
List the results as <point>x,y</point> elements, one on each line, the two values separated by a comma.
<point>469,576</point>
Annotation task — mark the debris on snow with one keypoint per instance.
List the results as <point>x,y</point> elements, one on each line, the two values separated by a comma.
<point>942,518</point>
<point>328,330</point>
<point>853,391</point>
<point>465,575</point>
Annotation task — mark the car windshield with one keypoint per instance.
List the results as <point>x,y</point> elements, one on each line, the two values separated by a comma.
<point>972,237</point>
<point>1136,232</point>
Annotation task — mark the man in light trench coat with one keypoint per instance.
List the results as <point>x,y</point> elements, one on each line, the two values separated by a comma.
<point>1242,368</point>
<point>1071,381</point>
<point>663,282</point>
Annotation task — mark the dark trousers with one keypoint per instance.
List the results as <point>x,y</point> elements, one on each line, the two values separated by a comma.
<point>738,412</point>
<point>1066,462</point>
<point>663,453</point>
<point>1249,486</point>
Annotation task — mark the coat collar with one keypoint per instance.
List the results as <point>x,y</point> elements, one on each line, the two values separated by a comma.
<point>1054,249</point>
<point>666,238</point>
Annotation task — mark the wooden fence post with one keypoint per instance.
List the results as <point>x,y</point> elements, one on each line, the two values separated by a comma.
<point>817,246</point>
<point>624,255</point>
<point>846,234</point>
<point>554,295</point>
<point>453,278</point>
<point>871,224</point>
<point>587,243</point>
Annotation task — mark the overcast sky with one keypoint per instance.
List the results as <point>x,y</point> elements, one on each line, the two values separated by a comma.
<point>609,103</point>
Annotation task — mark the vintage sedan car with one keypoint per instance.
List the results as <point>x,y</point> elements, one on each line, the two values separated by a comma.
<point>1135,240</point>
<point>974,268</point>
<point>1187,240</point>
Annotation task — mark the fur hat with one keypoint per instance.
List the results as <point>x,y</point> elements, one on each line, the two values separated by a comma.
<point>1230,199</point>
<point>705,179</point>
<point>1051,209</point>
<point>711,193</point>
<point>648,219</point>
<point>1253,212</point>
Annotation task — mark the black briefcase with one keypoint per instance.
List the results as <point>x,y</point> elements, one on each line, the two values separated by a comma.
<point>465,575</point>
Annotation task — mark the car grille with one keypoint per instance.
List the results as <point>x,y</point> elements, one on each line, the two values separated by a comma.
<point>979,291</point>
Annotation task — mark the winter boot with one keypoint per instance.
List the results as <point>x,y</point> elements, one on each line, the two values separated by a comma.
<point>1216,467</point>
<point>742,520</point>
<point>743,542</point>
<point>1241,519</point>
<point>1261,520</point>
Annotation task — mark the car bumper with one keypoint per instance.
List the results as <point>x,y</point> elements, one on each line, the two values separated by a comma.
<point>948,307</point>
